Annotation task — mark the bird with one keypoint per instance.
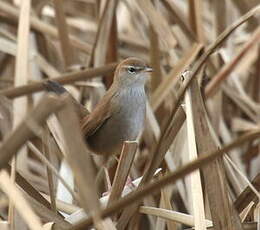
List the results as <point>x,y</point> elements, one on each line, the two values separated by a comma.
<point>120,114</point>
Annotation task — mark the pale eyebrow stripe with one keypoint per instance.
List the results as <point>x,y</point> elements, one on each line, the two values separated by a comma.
<point>135,67</point>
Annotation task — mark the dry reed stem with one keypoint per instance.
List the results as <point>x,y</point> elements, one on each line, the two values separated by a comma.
<point>51,182</point>
<point>42,27</point>
<point>52,169</point>
<point>169,178</point>
<point>228,68</point>
<point>112,53</point>
<point>123,30</point>
<point>166,194</point>
<point>247,195</point>
<point>63,206</point>
<point>103,34</point>
<point>222,211</point>
<point>220,39</point>
<point>244,214</point>
<point>63,79</point>
<point>23,131</point>
<point>196,193</point>
<point>160,25</point>
<point>173,215</point>
<point>21,78</point>
<point>195,18</point>
<point>167,84</point>
<point>29,189</point>
<point>79,159</point>
<point>66,48</point>
<point>155,59</point>
<point>19,202</point>
<point>179,17</point>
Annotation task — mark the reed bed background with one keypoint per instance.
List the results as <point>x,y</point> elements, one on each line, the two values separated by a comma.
<point>203,113</point>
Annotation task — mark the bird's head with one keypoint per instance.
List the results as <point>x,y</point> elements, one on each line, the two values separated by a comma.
<point>132,71</point>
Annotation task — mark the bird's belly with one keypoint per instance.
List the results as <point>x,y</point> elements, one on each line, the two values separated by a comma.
<point>122,126</point>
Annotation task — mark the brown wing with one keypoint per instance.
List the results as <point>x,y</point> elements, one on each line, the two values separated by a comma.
<point>100,114</point>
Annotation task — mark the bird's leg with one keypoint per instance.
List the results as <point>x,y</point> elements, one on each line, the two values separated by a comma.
<point>129,182</point>
<point>107,180</point>
<point>103,173</point>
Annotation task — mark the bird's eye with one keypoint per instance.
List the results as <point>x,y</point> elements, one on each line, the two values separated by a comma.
<point>131,70</point>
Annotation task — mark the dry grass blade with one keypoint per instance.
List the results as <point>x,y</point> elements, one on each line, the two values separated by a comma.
<point>244,214</point>
<point>227,69</point>
<point>195,181</point>
<point>169,178</point>
<point>246,226</point>
<point>21,78</point>
<point>180,19</point>
<point>247,195</point>
<point>243,177</point>
<point>205,60</point>
<point>172,215</point>
<point>19,202</point>
<point>159,24</point>
<point>48,215</point>
<point>36,24</point>
<point>66,48</point>
<point>195,8</point>
<point>79,158</point>
<point>52,169</point>
<point>51,182</point>
<point>155,59</point>
<point>220,39</point>
<point>166,194</point>
<point>106,22</point>
<point>123,169</point>
<point>23,132</point>
<point>163,90</point>
<point>29,189</point>
<point>223,213</point>
<point>112,52</point>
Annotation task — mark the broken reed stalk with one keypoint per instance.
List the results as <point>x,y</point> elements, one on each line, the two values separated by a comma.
<point>68,78</point>
<point>172,177</point>
<point>125,162</point>
<point>24,130</point>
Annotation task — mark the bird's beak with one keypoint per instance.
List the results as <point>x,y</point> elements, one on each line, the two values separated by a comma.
<point>148,69</point>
